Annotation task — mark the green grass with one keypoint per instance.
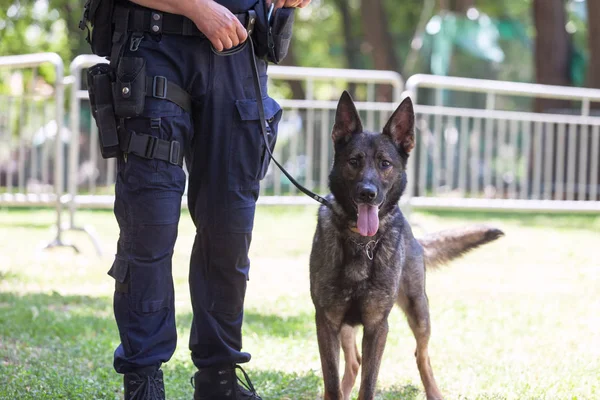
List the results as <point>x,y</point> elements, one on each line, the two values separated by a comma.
<point>519,319</point>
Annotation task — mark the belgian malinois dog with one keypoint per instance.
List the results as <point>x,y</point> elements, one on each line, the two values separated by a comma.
<point>365,258</point>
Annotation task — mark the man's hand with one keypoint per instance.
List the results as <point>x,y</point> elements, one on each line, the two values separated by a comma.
<point>289,3</point>
<point>219,25</point>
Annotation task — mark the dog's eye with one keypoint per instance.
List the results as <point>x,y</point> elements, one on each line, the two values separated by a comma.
<point>353,162</point>
<point>385,164</point>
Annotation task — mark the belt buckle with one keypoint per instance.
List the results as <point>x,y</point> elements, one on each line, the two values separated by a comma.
<point>159,82</point>
<point>151,147</point>
<point>174,152</point>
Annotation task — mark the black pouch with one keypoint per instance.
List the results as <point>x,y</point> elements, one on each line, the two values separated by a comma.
<point>98,20</point>
<point>272,38</point>
<point>280,34</point>
<point>129,88</point>
<point>100,78</point>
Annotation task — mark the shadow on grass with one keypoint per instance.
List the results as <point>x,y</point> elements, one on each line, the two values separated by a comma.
<point>267,325</point>
<point>296,326</point>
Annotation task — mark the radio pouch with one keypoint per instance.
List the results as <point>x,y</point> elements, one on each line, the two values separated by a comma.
<point>129,87</point>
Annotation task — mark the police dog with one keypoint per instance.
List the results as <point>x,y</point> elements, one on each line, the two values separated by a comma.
<point>364,257</point>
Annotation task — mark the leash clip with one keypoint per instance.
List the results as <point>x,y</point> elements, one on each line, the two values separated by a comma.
<point>370,249</point>
<point>136,39</point>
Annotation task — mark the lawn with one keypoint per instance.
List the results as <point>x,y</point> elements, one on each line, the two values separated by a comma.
<point>518,319</point>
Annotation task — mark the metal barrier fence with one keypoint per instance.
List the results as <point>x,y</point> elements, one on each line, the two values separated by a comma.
<point>475,157</point>
<point>488,158</point>
<point>303,146</point>
<point>32,134</point>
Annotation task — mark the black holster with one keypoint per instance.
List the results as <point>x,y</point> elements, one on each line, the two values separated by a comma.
<point>100,83</point>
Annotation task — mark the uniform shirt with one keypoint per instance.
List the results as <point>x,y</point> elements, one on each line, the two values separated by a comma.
<point>237,6</point>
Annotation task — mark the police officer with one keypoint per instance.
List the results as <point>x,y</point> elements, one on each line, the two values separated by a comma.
<point>218,131</point>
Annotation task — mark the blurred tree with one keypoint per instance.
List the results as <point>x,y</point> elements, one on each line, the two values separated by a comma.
<point>352,39</point>
<point>31,26</point>
<point>458,6</point>
<point>379,42</point>
<point>593,14</point>
<point>553,48</point>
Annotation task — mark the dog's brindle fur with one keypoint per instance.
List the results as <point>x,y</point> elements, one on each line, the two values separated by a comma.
<point>348,288</point>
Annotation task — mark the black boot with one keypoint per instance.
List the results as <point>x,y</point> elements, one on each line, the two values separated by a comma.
<point>222,383</point>
<point>144,385</point>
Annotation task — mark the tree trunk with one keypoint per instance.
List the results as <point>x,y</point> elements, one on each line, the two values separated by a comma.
<point>552,49</point>
<point>377,35</point>
<point>593,78</point>
<point>458,6</point>
<point>351,42</point>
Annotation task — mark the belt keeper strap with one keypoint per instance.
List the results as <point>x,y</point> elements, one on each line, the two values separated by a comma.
<point>161,88</point>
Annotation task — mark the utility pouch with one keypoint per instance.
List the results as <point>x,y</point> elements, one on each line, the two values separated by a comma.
<point>272,34</point>
<point>280,34</point>
<point>129,87</point>
<point>100,78</point>
<point>97,19</point>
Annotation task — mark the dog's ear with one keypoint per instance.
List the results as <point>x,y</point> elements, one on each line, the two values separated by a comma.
<point>347,120</point>
<point>401,126</point>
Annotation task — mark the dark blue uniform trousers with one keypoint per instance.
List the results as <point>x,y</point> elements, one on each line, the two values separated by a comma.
<point>226,159</point>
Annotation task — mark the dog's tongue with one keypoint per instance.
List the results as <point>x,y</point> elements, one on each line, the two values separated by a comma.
<point>368,220</point>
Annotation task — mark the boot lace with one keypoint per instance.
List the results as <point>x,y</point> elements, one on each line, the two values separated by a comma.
<point>246,383</point>
<point>148,387</point>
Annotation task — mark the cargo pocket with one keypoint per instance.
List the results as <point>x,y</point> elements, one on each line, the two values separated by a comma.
<point>148,289</point>
<point>249,159</point>
<point>120,272</point>
<point>227,300</point>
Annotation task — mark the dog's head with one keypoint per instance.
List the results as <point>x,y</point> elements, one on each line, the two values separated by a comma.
<point>369,169</point>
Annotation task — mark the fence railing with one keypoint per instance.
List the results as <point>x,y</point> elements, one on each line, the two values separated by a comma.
<point>32,134</point>
<point>479,156</point>
<point>488,158</point>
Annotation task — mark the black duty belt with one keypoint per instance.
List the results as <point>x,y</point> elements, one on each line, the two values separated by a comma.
<point>153,21</point>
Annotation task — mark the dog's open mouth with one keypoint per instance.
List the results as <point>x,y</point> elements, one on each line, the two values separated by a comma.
<point>368,219</point>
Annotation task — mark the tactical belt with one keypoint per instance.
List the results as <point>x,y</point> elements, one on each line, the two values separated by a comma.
<point>153,21</point>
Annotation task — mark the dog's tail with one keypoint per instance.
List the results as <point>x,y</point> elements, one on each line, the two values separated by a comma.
<point>441,247</point>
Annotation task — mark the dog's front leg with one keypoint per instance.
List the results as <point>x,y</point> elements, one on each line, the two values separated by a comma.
<point>329,349</point>
<point>373,344</point>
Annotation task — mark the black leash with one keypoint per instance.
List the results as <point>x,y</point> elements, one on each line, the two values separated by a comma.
<point>262,120</point>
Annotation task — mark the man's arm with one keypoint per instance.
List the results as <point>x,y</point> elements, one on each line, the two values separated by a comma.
<point>219,25</point>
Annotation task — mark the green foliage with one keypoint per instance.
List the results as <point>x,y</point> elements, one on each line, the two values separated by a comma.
<point>33,27</point>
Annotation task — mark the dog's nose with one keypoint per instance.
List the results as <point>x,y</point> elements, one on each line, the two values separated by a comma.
<point>367,192</point>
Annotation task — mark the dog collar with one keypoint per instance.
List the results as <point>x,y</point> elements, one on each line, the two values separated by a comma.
<point>353,229</point>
